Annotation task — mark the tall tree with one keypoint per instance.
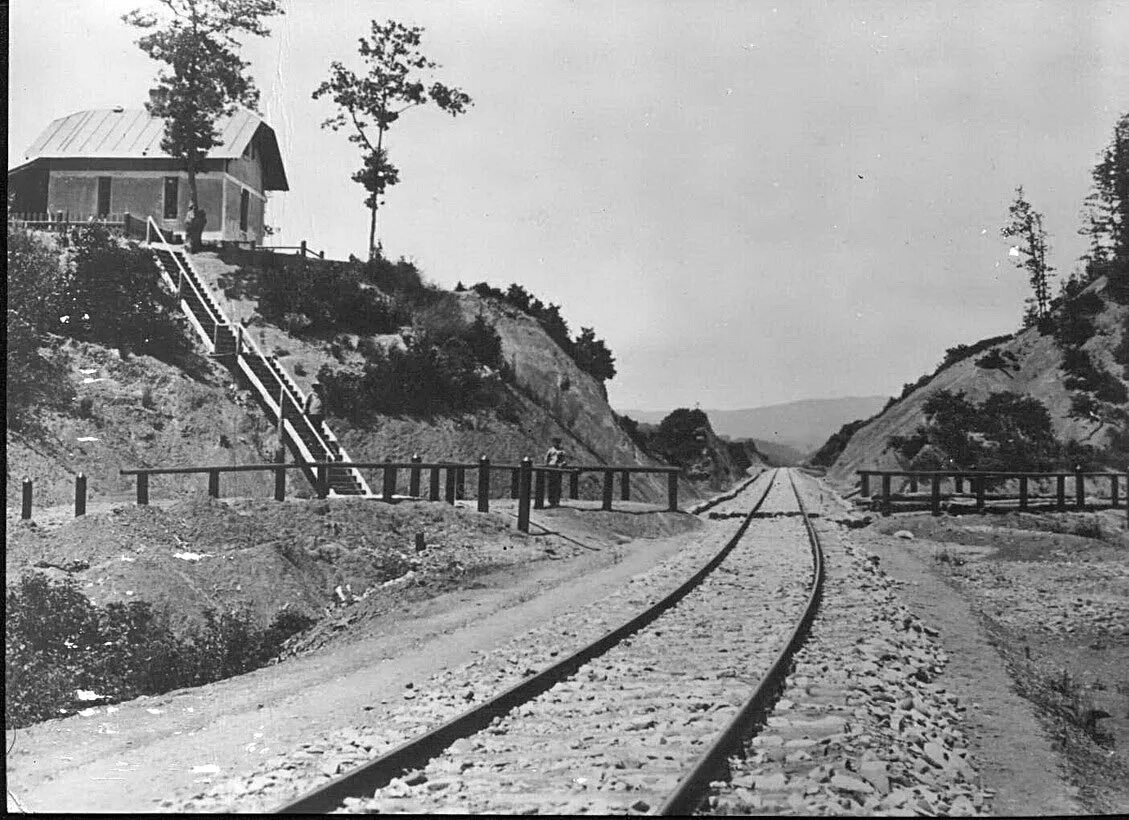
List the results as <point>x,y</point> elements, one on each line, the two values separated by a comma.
<point>371,103</point>
<point>205,79</point>
<point>1026,226</point>
<point>1107,212</point>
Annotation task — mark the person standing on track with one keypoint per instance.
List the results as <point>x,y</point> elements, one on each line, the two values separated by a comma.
<point>555,457</point>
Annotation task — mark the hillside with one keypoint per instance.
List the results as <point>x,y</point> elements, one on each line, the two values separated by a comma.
<point>1033,366</point>
<point>799,425</point>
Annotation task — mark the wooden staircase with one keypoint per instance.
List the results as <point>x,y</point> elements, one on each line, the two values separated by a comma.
<point>270,382</point>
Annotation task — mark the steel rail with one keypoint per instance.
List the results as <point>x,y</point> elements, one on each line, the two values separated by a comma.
<point>693,788</point>
<point>377,773</point>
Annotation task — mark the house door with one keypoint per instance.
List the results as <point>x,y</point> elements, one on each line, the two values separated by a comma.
<point>103,196</point>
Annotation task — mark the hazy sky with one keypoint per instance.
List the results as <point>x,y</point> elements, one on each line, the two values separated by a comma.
<point>752,202</point>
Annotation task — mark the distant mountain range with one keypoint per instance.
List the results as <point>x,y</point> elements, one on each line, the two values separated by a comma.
<point>800,425</point>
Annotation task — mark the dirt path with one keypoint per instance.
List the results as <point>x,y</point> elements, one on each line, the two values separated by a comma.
<point>150,748</point>
<point>1013,753</point>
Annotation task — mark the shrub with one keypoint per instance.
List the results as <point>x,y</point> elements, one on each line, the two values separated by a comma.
<point>58,642</point>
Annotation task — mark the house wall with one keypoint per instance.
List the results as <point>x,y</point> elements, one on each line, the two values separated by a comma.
<point>141,193</point>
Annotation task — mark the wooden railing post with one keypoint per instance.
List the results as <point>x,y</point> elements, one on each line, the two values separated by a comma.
<point>1079,488</point>
<point>1023,492</point>
<point>214,483</point>
<point>1113,499</point>
<point>79,495</point>
<point>449,488</point>
<point>483,484</point>
<point>460,482</point>
<point>433,485</point>
<point>625,486</point>
<point>539,490</point>
<point>25,505</point>
<point>609,482</point>
<point>980,487</point>
<point>913,482</point>
<point>302,248</point>
<point>574,485</point>
<point>525,478</point>
<point>935,495</point>
<point>389,488</point>
<point>280,475</point>
<point>886,494</point>
<point>865,491</point>
<point>323,481</point>
<point>958,481</point>
<point>142,489</point>
<point>414,476</point>
<point>1061,500</point>
<point>672,491</point>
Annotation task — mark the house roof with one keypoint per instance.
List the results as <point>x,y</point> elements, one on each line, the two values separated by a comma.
<point>131,133</point>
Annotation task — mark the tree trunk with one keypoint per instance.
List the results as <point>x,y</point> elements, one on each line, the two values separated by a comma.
<point>372,234</point>
<point>195,219</point>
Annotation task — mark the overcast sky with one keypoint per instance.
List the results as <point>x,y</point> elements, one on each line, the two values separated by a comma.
<point>752,202</point>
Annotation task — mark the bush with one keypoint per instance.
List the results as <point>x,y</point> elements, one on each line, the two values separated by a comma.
<point>305,296</point>
<point>59,642</point>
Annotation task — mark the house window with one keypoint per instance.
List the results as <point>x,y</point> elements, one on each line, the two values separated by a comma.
<point>172,194</point>
<point>244,208</point>
<point>103,196</point>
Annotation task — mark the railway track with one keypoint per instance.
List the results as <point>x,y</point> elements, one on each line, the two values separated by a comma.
<point>639,720</point>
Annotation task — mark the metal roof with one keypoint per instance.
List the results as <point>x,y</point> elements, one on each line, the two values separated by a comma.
<point>131,133</point>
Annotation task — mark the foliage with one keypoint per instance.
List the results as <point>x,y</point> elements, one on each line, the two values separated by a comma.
<point>449,366</point>
<point>376,99</point>
<point>307,296</point>
<point>1107,215</point>
<point>591,355</point>
<point>1004,432</point>
<point>681,436</point>
<point>57,642</point>
<point>1026,225</point>
<point>997,359</point>
<point>205,79</point>
<point>826,455</point>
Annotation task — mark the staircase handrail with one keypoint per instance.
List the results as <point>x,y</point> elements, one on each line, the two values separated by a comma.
<point>288,387</point>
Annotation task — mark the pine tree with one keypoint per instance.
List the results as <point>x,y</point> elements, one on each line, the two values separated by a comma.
<point>1026,225</point>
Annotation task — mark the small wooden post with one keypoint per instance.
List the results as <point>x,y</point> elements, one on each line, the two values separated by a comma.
<point>886,494</point>
<point>539,490</point>
<point>143,488</point>
<point>1023,492</point>
<point>214,483</point>
<point>1079,488</point>
<point>525,479</point>
<point>414,476</point>
<point>449,487</point>
<point>865,491</point>
<point>303,248</point>
<point>460,482</point>
<point>959,479</point>
<point>238,340</point>
<point>79,495</point>
<point>483,484</point>
<point>1061,492</point>
<point>515,482</point>
<point>609,483</point>
<point>980,484</point>
<point>280,475</point>
<point>1113,499</point>
<point>433,485</point>
<point>913,482</point>
<point>672,491</point>
<point>574,485</point>
<point>935,495</point>
<point>389,488</point>
<point>323,481</point>
<point>625,486</point>
<point>25,508</point>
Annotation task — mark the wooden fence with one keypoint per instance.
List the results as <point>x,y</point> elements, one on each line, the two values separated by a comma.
<point>978,484</point>
<point>298,250</point>
<point>533,486</point>
<point>62,221</point>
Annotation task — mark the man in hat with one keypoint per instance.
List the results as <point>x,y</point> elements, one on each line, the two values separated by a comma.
<point>555,457</point>
<point>314,406</point>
